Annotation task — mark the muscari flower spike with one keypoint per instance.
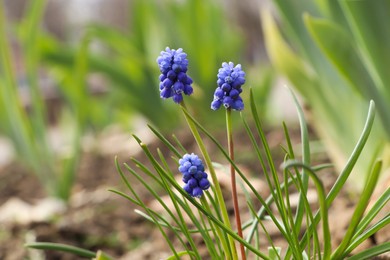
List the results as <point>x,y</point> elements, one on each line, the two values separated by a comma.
<point>173,79</point>
<point>230,80</point>
<point>194,177</point>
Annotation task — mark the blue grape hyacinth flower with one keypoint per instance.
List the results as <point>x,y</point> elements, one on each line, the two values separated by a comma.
<point>194,176</point>
<point>230,80</point>
<point>174,80</point>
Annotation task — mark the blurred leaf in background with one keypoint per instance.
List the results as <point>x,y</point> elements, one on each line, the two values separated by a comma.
<point>335,54</point>
<point>25,117</point>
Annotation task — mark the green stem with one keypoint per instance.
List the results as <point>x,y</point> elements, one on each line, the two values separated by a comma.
<point>214,178</point>
<point>323,205</point>
<point>229,130</point>
<point>218,230</point>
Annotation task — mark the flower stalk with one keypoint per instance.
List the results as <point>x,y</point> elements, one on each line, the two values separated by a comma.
<point>218,191</point>
<point>237,216</point>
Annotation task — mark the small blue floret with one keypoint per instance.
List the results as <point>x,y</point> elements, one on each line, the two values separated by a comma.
<point>230,80</point>
<point>194,177</point>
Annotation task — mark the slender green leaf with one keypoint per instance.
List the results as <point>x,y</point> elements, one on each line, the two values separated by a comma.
<point>61,247</point>
<point>368,233</point>
<point>144,206</point>
<point>370,215</point>
<point>305,160</point>
<point>323,205</point>
<point>372,252</point>
<point>165,141</point>
<point>360,208</point>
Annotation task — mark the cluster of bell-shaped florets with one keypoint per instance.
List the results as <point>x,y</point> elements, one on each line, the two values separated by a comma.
<point>174,80</point>
<point>194,176</point>
<point>230,80</point>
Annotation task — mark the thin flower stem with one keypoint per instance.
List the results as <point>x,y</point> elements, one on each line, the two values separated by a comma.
<point>218,190</point>
<point>229,129</point>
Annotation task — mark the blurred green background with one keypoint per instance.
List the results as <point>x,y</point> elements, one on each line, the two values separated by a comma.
<point>82,66</point>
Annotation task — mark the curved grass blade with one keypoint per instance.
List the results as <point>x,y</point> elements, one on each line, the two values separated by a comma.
<point>322,201</point>
<point>372,252</point>
<point>369,232</point>
<point>263,227</point>
<point>180,222</point>
<point>339,184</point>
<point>181,146</point>
<point>144,206</point>
<point>61,247</point>
<point>165,141</point>
<point>379,204</point>
<point>306,160</point>
<point>360,208</point>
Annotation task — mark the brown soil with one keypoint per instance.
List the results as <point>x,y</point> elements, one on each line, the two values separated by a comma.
<point>97,219</point>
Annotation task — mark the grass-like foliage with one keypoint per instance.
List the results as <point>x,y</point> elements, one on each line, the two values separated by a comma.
<point>297,174</point>
<point>199,210</point>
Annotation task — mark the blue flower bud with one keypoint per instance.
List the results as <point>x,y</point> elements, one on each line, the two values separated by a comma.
<point>198,175</point>
<point>204,184</point>
<point>234,93</point>
<point>219,93</point>
<point>216,104</point>
<point>178,87</point>
<point>186,177</point>
<point>166,92</point>
<point>238,105</point>
<point>167,83</point>
<point>176,68</point>
<point>228,79</point>
<point>188,90</point>
<point>193,169</point>
<point>227,101</point>
<point>226,87</point>
<point>171,75</point>
<point>192,183</point>
<point>197,192</point>
<point>182,77</point>
<point>177,98</point>
<point>188,189</point>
